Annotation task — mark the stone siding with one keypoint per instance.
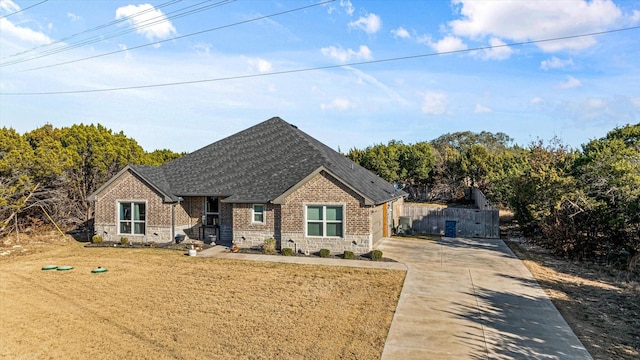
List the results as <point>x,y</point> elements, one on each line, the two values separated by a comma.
<point>247,233</point>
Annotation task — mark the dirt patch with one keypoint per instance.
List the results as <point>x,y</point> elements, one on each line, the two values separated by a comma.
<point>159,304</point>
<point>602,305</point>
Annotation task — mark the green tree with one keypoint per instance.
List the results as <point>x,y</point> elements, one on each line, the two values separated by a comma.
<point>57,168</point>
<point>97,154</point>
<point>545,179</point>
<point>17,185</point>
<point>383,160</point>
<point>608,175</point>
<point>416,162</point>
<point>468,159</point>
<point>160,157</point>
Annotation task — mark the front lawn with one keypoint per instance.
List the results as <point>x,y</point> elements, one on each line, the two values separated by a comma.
<point>161,304</point>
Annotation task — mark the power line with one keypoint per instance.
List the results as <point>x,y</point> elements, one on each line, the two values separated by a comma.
<point>177,37</point>
<point>21,10</point>
<point>147,23</point>
<point>401,58</point>
<point>102,26</point>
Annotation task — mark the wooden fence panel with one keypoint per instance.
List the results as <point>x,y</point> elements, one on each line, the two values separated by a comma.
<point>469,222</point>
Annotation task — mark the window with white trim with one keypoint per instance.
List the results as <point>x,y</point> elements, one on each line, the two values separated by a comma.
<point>324,220</point>
<point>132,217</point>
<point>257,214</point>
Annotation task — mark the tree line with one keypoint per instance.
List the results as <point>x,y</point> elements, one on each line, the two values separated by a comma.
<point>56,169</point>
<point>582,203</point>
<point>579,202</point>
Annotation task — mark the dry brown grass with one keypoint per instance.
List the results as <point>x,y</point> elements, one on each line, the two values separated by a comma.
<point>160,304</point>
<point>601,305</point>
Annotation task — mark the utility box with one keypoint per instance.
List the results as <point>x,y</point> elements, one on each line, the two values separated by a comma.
<point>406,222</point>
<point>180,238</point>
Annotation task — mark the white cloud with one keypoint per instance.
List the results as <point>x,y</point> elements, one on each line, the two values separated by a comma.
<point>260,65</point>
<point>498,51</point>
<point>202,48</point>
<point>8,29</point>
<point>73,17</point>
<point>571,83</point>
<point>371,24</point>
<point>369,79</point>
<point>152,23</point>
<point>635,101</point>
<point>537,101</point>
<point>345,55</point>
<point>9,6</point>
<point>534,20</point>
<point>555,63</point>
<point>339,104</point>
<point>434,102</point>
<point>596,103</point>
<point>348,6</point>
<point>447,44</point>
<point>124,48</point>
<point>482,109</point>
<point>635,18</point>
<point>400,33</point>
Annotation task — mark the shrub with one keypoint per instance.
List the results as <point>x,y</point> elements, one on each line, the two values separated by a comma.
<point>269,246</point>
<point>348,254</point>
<point>287,251</point>
<point>325,252</point>
<point>96,239</point>
<point>375,254</point>
<point>124,240</point>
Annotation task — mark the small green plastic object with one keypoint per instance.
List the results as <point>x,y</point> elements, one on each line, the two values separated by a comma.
<point>99,269</point>
<point>49,267</point>
<point>65,268</point>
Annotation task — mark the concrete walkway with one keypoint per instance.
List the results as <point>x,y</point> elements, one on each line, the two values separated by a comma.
<point>473,299</point>
<point>461,299</point>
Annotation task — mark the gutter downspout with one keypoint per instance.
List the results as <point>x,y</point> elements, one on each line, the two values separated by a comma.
<point>173,219</point>
<point>173,222</point>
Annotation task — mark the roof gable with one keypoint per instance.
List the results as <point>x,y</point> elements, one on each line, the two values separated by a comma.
<point>281,199</point>
<point>148,174</point>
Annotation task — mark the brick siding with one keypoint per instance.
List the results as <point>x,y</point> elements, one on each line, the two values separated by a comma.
<point>286,223</point>
<point>129,187</point>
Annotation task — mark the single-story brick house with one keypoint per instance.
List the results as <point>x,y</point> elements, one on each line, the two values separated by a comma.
<point>269,181</point>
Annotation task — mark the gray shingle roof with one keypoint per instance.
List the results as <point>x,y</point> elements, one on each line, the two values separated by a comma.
<point>259,164</point>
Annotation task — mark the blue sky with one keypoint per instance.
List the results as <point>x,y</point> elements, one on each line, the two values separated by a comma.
<point>576,89</point>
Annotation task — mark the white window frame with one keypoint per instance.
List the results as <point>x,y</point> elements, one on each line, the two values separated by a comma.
<point>324,220</point>
<point>254,213</point>
<point>132,221</point>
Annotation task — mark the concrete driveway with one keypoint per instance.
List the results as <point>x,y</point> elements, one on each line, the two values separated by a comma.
<point>473,299</point>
